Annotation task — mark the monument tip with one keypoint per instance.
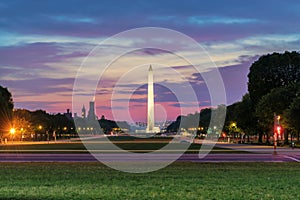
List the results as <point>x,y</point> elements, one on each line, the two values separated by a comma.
<point>150,68</point>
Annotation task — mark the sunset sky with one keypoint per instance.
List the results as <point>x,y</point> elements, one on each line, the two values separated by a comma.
<point>43,44</point>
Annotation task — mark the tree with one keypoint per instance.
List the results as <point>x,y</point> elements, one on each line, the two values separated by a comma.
<point>277,101</point>
<point>6,109</point>
<point>273,71</point>
<point>245,117</point>
<point>23,128</point>
<point>291,116</point>
<point>205,116</point>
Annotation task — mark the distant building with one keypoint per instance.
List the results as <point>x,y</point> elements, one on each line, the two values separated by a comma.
<point>91,114</point>
<point>83,113</point>
<point>68,114</point>
<point>87,123</point>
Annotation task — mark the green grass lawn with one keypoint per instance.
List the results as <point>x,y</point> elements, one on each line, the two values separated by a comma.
<point>80,148</point>
<point>134,144</point>
<point>178,181</point>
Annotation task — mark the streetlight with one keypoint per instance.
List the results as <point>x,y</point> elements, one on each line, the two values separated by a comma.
<point>38,135</point>
<point>277,131</point>
<point>232,131</point>
<point>12,132</point>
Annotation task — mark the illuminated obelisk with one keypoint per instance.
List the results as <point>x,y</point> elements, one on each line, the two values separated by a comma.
<point>150,119</point>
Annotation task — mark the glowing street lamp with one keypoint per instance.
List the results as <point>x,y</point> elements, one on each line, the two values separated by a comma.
<point>12,131</point>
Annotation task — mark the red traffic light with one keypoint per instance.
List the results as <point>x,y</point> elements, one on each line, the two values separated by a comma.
<point>278,129</point>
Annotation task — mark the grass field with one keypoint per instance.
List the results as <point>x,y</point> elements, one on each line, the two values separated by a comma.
<point>178,181</point>
<point>80,148</point>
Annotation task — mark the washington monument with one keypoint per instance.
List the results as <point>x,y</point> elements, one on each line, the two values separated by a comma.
<point>150,119</point>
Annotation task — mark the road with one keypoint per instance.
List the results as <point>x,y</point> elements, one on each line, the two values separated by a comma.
<point>253,153</point>
<point>115,157</point>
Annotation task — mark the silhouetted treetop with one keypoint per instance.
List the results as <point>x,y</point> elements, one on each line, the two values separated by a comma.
<point>273,71</point>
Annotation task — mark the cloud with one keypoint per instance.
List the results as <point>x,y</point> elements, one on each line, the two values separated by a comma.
<point>195,105</point>
<point>41,86</point>
<point>109,108</point>
<point>203,20</point>
<point>237,74</point>
<point>136,100</point>
<point>150,51</point>
<point>68,19</point>
<point>234,79</point>
<point>32,55</point>
<point>271,42</point>
<point>186,105</point>
<point>49,106</point>
<point>97,19</point>
<point>36,55</point>
<point>180,67</point>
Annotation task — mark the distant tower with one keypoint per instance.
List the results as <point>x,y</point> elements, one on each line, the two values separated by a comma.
<point>83,113</point>
<point>150,117</point>
<point>68,114</point>
<point>91,114</point>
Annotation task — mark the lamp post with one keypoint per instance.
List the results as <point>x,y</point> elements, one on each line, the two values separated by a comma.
<point>277,131</point>
<point>38,133</point>
<point>232,130</point>
<point>54,135</point>
<point>22,133</point>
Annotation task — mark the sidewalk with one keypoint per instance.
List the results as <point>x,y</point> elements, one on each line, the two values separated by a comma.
<point>260,149</point>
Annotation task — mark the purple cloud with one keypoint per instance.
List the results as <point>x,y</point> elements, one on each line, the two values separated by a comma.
<point>40,86</point>
<point>150,51</point>
<point>192,105</point>
<point>35,55</point>
<point>48,105</point>
<point>109,108</point>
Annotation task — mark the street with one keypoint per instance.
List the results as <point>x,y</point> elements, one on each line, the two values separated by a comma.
<point>118,157</point>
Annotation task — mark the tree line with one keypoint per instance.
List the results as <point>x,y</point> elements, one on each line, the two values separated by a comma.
<point>22,124</point>
<point>273,88</point>
<point>36,125</point>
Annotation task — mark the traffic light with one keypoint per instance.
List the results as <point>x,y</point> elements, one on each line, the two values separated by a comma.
<point>278,129</point>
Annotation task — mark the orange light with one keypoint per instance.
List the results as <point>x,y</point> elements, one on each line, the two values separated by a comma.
<point>12,131</point>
